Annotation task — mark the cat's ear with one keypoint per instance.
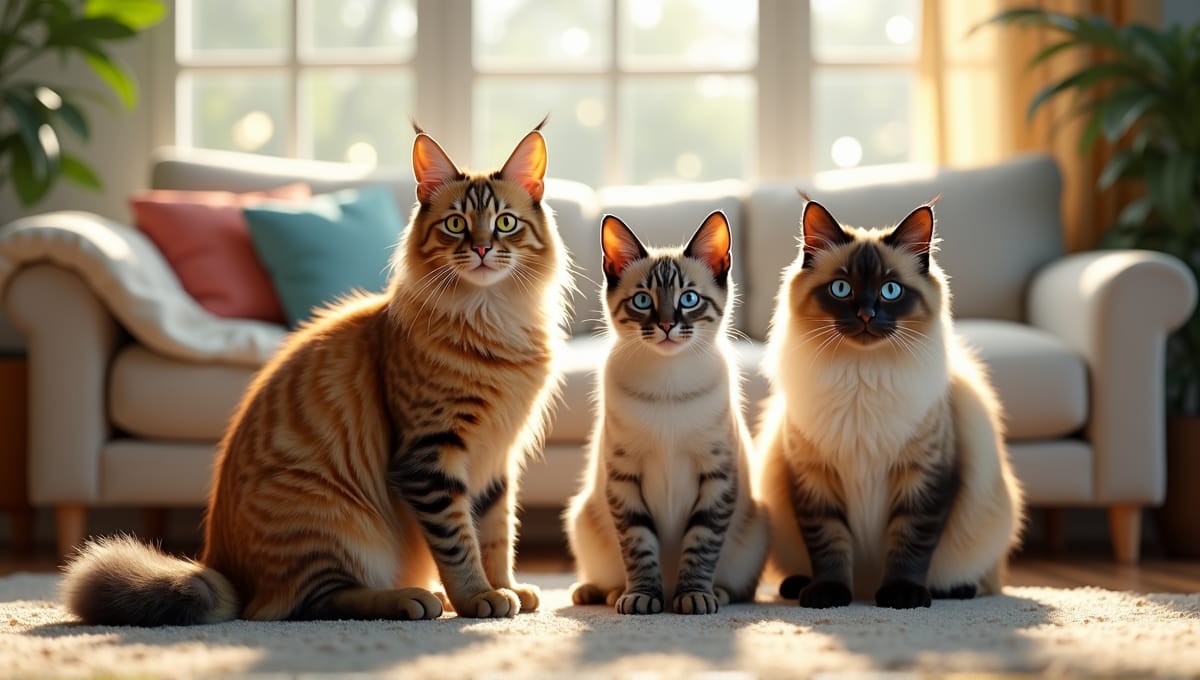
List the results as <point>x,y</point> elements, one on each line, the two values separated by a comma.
<point>432,167</point>
<point>820,231</point>
<point>711,245</point>
<point>915,234</point>
<point>527,165</point>
<point>621,247</point>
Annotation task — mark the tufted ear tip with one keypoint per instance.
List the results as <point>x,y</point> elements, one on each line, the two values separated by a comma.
<point>527,164</point>
<point>431,167</point>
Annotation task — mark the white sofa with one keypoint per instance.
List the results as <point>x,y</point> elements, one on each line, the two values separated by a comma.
<point>131,382</point>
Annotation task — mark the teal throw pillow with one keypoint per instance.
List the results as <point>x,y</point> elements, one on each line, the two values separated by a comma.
<point>318,251</point>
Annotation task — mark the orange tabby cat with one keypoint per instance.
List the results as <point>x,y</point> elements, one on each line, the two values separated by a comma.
<point>381,447</point>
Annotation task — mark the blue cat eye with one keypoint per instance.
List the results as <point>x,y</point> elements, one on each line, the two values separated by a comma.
<point>689,299</point>
<point>642,301</point>
<point>891,291</point>
<point>840,289</point>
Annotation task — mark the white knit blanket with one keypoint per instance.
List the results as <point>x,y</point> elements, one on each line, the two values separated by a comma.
<point>132,279</point>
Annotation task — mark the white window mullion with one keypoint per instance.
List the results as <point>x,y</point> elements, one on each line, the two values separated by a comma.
<point>300,139</point>
<point>445,75</point>
<point>614,172</point>
<point>784,70</point>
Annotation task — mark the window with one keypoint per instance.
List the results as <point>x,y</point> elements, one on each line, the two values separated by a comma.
<point>638,91</point>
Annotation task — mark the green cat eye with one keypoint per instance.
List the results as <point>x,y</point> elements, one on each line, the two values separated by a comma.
<point>506,222</point>
<point>642,301</point>
<point>891,291</point>
<point>840,289</point>
<point>689,299</point>
<point>456,224</point>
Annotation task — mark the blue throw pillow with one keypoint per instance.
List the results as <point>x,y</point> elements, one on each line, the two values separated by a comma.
<point>318,251</point>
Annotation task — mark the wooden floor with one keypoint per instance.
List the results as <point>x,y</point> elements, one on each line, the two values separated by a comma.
<point>1153,575</point>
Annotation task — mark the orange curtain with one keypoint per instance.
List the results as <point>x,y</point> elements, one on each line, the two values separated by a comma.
<point>975,89</point>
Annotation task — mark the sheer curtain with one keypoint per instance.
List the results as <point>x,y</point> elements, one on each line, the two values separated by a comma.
<point>975,88</point>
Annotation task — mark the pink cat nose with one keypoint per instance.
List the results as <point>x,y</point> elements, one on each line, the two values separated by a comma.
<point>666,326</point>
<point>482,250</point>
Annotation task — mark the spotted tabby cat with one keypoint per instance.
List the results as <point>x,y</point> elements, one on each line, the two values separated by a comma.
<point>381,447</point>
<point>884,464</point>
<point>665,514</point>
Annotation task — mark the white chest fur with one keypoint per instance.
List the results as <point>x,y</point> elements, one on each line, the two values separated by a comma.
<point>862,405</point>
<point>666,413</point>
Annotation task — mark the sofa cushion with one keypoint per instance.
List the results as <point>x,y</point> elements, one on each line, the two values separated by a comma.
<point>1042,384</point>
<point>202,234</point>
<point>319,251</point>
<point>153,396</point>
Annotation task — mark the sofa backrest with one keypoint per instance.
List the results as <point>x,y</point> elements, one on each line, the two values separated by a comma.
<point>997,224</point>
<point>574,204</point>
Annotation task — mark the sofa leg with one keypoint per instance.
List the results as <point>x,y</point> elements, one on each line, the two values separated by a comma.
<point>71,527</point>
<point>1125,528</point>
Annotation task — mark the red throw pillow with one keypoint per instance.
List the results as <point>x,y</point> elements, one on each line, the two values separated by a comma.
<point>203,236</point>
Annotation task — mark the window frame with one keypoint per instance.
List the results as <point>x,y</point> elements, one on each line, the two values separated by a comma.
<point>444,74</point>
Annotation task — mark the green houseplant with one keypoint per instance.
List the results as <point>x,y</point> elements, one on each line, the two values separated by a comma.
<point>39,119</point>
<point>1142,95</point>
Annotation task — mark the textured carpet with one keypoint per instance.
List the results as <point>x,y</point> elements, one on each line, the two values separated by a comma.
<point>1042,631</point>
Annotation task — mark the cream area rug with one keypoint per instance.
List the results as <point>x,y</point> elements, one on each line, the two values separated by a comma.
<point>1043,631</point>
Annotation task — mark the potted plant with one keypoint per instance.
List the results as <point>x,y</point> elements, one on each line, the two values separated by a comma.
<point>1143,96</point>
<point>37,119</point>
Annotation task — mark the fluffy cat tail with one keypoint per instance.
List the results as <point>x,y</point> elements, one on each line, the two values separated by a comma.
<point>121,581</point>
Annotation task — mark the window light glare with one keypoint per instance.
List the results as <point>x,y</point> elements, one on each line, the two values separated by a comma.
<point>590,112</point>
<point>645,14</point>
<point>48,98</point>
<point>403,21</point>
<point>575,41</point>
<point>713,87</point>
<point>253,130</point>
<point>846,152</point>
<point>899,30</point>
<point>688,165</point>
<point>354,13</point>
<point>823,6</point>
<point>739,14</point>
<point>892,138</point>
<point>362,153</point>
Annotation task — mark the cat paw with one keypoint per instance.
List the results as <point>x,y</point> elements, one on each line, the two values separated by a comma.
<point>613,595</point>
<point>964,591</point>
<point>695,602</point>
<point>415,604</point>
<point>445,599</point>
<point>529,595</point>
<point>723,597</point>
<point>640,603</point>
<point>902,595</point>
<point>588,593</point>
<point>792,585</point>
<point>825,594</point>
<point>491,604</point>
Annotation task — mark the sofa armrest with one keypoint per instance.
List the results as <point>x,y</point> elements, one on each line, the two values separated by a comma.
<point>127,273</point>
<point>1116,309</point>
<point>70,339</point>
